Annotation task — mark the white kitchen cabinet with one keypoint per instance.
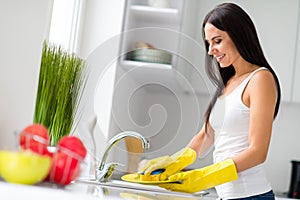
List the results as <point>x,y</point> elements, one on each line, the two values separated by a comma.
<point>296,77</point>
<point>277,32</point>
<point>277,26</point>
<point>157,26</point>
<point>190,68</point>
<point>174,30</point>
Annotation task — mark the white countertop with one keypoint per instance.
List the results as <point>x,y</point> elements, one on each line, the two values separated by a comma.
<point>79,191</point>
<point>21,192</point>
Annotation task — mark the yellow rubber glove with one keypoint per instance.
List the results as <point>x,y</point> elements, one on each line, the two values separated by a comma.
<point>203,178</point>
<point>171,164</point>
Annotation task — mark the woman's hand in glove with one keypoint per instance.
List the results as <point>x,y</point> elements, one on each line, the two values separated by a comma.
<point>203,178</point>
<point>171,164</point>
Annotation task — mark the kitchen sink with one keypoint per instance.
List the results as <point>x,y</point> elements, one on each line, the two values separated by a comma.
<point>139,188</point>
<point>90,189</point>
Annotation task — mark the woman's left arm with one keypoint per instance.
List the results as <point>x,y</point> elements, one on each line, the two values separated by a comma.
<point>260,96</point>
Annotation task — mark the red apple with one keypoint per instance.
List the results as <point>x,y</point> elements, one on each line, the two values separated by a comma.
<point>66,160</point>
<point>64,168</point>
<point>73,144</point>
<point>36,138</point>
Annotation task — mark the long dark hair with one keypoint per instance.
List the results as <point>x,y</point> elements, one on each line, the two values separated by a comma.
<point>236,22</point>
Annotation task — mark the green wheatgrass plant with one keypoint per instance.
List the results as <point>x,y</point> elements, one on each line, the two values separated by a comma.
<point>62,79</point>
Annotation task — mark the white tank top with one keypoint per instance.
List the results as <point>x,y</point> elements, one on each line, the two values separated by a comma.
<point>230,121</point>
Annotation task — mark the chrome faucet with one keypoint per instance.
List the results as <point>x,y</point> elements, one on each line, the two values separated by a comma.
<point>104,171</point>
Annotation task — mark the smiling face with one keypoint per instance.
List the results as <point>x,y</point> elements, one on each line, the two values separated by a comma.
<point>221,46</point>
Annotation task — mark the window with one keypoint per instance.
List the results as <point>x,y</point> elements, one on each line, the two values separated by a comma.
<point>65,23</point>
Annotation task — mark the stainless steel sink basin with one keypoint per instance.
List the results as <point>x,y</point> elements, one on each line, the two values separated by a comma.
<point>92,190</point>
<point>141,188</point>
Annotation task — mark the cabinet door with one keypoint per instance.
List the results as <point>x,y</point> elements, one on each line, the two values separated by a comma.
<point>296,83</point>
<point>276,24</point>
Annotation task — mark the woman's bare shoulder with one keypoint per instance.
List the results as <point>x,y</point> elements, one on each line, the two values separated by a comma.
<point>263,84</point>
<point>263,76</point>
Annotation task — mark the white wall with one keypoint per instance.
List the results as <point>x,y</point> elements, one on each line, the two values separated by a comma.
<point>284,146</point>
<point>24,26</point>
<point>102,21</point>
<point>99,44</point>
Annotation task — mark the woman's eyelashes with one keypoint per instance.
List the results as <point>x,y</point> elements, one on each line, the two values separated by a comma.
<point>218,41</point>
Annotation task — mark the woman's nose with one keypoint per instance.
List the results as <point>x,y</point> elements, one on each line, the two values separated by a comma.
<point>211,50</point>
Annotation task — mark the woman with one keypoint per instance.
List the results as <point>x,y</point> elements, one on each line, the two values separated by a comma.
<point>239,117</point>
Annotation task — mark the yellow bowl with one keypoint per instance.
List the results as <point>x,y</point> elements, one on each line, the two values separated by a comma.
<point>24,167</point>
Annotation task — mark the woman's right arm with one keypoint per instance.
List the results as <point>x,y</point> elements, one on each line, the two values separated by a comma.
<point>203,141</point>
